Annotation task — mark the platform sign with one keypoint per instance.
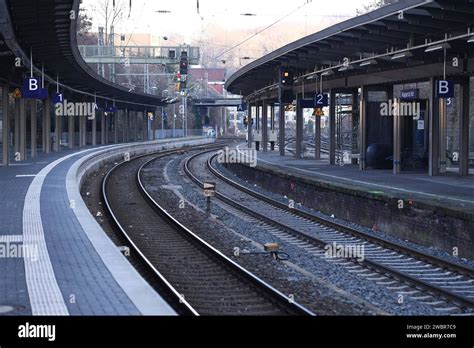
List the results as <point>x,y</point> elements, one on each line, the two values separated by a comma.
<point>31,89</point>
<point>421,125</point>
<point>57,98</point>
<point>321,100</point>
<point>306,103</point>
<point>242,107</point>
<point>110,109</point>
<point>444,89</point>
<point>165,115</point>
<point>209,189</point>
<point>410,94</point>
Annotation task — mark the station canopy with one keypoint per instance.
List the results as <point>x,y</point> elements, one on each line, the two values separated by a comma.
<point>406,34</point>
<point>45,28</point>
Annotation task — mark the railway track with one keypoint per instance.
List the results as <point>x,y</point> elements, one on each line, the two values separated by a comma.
<point>448,287</point>
<point>199,279</point>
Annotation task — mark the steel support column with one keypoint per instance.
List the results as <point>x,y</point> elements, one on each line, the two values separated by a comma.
<point>153,126</point>
<point>102,127</point>
<point>146,125</point>
<point>281,122</point>
<point>85,120</point>
<point>22,129</point>
<point>364,96</point>
<point>94,130</point>
<point>108,124</point>
<point>258,131</point>
<point>135,126</point>
<point>249,127</point>
<point>397,144</point>
<point>58,125</point>
<point>116,123</point>
<point>265,127</point>
<point>81,131</point>
<point>140,124</point>
<point>126,125</point>
<point>5,126</point>
<point>397,137</point>
<point>355,125</point>
<point>332,128</point>
<point>443,125</point>
<point>299,127</point>
<point>34,124</point>
<point>47,124</point>
<point>17,126</point>
<point>433,168</point>
<point>43,126</point>
<point>71,136</point>
<point>273,135</point>
<point>317,137</point>
<point>464,129</point>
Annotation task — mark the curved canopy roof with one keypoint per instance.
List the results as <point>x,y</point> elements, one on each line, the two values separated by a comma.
<point>370,41</point>
<point>44,28</point>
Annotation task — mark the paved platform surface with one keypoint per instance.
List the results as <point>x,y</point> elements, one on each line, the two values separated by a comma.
<point>49,264</point>
<point>449,191</point>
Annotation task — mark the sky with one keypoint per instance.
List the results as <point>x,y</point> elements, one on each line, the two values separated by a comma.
<point>185,20</point>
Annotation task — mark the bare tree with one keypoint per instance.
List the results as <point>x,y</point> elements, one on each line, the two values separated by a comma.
<point>110,12</point>
<point>84,22</point>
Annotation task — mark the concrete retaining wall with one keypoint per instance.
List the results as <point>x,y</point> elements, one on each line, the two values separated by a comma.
<point>422,223</point>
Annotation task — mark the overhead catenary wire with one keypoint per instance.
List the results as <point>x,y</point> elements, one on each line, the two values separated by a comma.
<point>263,30</point>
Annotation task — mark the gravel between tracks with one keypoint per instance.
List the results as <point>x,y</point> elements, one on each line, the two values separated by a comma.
<point>226,232</point>
<point>321,287</point>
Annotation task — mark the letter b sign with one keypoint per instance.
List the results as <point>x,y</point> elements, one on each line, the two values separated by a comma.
<point>33,85</point>
<point>444,89</point>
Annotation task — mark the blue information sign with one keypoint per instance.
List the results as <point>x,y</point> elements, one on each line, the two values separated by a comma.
<point>444,89</point>
<point>31,89</point>
<point>321,100</point>
<point>410,94</point>
<point>242,107</point>
<point>57,98</point>
<point>306,103</point>
<point>110,109</point>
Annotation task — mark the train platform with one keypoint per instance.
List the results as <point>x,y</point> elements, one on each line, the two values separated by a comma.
<point>432,211</point>
<point>54,257</point>
<point>449,191</point>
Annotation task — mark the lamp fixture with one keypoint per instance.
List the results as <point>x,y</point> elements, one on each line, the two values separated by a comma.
<point>368,62</point>
<point>345,68</point>
<point>438,47</point>
<point>401,55</point>
<point>327,73</point>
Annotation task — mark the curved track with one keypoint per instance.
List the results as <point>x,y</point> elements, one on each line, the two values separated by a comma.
<point>200,279</point>
<point>449,287</point>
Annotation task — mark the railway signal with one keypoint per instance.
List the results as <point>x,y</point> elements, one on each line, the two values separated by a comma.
<point>286,78</point>
<point>183,63</point>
